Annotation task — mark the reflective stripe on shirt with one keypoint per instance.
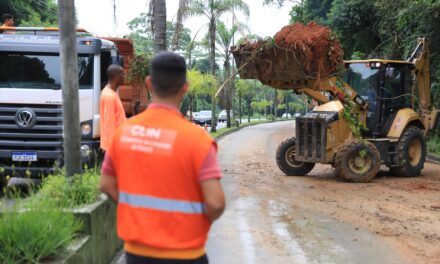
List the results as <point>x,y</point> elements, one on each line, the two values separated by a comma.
<point>161,204</point>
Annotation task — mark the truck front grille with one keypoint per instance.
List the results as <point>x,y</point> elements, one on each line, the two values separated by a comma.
<point>310,139</point>
<point>44,137</point>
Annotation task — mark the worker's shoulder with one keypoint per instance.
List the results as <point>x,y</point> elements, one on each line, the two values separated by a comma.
<point>107,93</point>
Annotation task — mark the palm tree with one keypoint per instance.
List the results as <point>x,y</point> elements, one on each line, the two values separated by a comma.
<point>181,15</point>
<point>159,24</point>
<point>224,38</point>
<point>213,10</point>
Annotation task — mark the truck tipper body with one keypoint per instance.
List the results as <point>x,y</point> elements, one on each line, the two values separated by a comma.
<point>31,113</point>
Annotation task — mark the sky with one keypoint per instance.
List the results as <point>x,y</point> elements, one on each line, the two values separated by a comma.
<point>97,17</point>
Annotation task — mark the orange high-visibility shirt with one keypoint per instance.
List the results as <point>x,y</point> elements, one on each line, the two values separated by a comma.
<point>112,115</point>
<point>157,156</point>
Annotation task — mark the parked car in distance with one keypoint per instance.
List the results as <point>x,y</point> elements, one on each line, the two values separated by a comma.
<point>297,115</point>
<point>286,115</point>
<point>222,117</point>
<point>203,117</point>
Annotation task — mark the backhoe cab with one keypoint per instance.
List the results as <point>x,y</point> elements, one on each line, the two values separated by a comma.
<point>390,98</point>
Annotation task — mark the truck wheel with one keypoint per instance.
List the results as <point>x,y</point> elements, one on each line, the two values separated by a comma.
<point>357,161</point>
<point>411,153</point>
<point>285,157</point>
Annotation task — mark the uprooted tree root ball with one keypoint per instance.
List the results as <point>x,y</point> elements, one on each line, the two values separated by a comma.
<point>297,52</point>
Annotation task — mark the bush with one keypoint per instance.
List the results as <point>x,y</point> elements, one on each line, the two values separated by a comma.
<point>434,145</point>
<point>34,235</point>
<point>69,192</point>
<point>270,117</point>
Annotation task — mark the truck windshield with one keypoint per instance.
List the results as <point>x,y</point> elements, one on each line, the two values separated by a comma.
<point>40,70</point>
<point>364,80</point>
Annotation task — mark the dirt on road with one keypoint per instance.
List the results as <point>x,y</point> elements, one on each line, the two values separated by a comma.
<point>272,218</point>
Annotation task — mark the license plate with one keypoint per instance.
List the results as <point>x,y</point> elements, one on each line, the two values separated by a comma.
<point>24,156</point>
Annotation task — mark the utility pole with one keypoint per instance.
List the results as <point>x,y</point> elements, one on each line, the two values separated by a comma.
<point>69,84</point>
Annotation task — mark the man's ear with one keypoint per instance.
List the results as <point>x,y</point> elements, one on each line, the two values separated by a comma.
<point>185,88</point>
<point>148,83</point>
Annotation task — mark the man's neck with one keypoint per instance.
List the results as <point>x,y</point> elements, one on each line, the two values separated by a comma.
<point>113,86</point>
<point>175,103</point>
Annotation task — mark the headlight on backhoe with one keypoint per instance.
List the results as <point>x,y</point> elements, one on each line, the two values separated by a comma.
<point>86,129</point>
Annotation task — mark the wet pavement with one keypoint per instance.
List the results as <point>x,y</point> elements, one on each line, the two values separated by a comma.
<point>263,225</point>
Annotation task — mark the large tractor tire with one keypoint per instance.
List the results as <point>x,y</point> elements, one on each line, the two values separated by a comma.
<point>286,160</point>
<point>357,161</point>
<point>411,153</point>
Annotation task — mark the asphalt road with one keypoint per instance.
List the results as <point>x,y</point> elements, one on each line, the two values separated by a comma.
<point>263,224</point>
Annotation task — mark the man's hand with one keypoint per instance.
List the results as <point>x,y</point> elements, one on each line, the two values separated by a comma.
<point>109,186</point>
<point>214,198</point>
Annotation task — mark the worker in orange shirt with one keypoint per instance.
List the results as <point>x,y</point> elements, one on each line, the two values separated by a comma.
<point>7,20</point>
<point>111,111</point>
<point>163,172</point>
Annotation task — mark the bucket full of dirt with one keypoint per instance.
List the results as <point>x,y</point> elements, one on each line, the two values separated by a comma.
<point>297,53</point>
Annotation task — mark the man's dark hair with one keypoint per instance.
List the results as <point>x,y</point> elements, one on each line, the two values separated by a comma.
<point>113,70</point>
<point>6,17</point>
<point>168,73</point>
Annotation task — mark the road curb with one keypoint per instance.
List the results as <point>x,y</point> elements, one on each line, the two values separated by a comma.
<point>217,138</point>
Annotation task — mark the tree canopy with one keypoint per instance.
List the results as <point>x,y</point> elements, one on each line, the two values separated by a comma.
<point>31,12</point>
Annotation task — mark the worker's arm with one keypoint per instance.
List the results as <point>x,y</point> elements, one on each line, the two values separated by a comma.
<point>109,184</point>
<point>214,198</point>
<point>209,178</point>
<point>108,124</point>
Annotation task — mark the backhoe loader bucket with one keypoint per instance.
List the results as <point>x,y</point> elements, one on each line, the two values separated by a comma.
<point>273,66</point>
<point>296,54</point>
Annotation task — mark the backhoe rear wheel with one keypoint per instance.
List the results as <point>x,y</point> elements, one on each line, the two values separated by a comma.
<point>357,161</point>
<point>411,153</point>
<point>286,160</point>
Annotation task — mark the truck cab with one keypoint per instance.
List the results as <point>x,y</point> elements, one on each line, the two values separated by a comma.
<point>31,113</point>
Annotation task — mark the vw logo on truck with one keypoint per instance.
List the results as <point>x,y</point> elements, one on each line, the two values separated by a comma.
<point>25,118</point>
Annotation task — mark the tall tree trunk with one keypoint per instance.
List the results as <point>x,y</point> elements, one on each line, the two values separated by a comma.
<point>239,108</point>
<point>69,84</point>
<point>275,104</point>
<point>249,111</point>
<point>227,91</point>
<point>179,26</point>
<point>212,66</point>
<point>160,25</point>
<point>191,106</point>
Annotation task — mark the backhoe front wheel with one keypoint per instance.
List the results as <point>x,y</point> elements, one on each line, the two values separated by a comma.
<point>357,161</point>
<point>411,153</point>
<point>285,157</point>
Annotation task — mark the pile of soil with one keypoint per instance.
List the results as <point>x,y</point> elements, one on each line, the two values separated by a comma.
<point>297,52</point>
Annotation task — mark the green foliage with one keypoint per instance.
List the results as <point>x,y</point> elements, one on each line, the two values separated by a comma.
<point>354,21</point>
<point>34,235</point>
<point>357,55</point>
<point>139,68</point>
<point>201,84</point>
<point>143,39</point>
<point>434,145</point>
<point>31,12</point>
<point>311,10</point>
<point>245,89</point>
<point>68,192</point>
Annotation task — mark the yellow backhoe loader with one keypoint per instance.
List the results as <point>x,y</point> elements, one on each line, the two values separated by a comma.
<point>390,98</point>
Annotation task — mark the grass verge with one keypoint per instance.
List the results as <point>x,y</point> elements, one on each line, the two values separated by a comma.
<point>68,192</point>
<point>39,228</point>
<point>224,130</point>
<point>32,236</point>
